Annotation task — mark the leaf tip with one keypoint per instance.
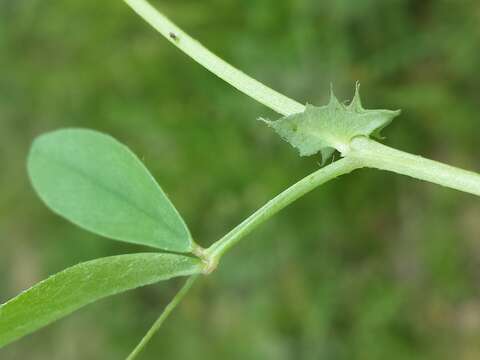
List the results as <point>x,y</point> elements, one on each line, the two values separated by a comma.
<point>356,103</point>
<point>333,102</point>
<point>266,121</point>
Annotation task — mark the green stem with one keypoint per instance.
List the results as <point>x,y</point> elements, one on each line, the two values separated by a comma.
<point>362,152</point>
<point>241,81</point>
<point>369,152</point>
<point>375,155</point>
<point>158,323</point>
<point>279,202</point>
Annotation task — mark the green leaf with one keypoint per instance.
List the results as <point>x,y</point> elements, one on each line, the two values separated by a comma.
<point>328,128</point>
<point>99,184</point>
<point>79,285</point>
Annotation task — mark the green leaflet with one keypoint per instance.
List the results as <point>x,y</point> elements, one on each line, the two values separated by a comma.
<point>99,184</point>
<point>328,128</point>
<point>79,285</point>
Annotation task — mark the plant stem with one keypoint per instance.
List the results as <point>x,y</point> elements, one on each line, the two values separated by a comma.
<point>158,323</point>
<point>362,152</point>
<point>375,155</point>
<point>371,153</point>
<point>249,86</point>
<point>279,202</point>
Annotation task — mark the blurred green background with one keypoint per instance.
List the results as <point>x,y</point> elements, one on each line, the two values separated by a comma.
<point>370,266</point>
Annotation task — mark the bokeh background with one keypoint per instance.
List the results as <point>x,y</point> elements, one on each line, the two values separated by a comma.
<point>370,266</point>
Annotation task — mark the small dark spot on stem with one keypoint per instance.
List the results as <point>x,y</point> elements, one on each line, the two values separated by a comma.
<point>173,36</point>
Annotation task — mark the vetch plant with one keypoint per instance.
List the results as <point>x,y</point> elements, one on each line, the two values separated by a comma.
<point>100,185</point>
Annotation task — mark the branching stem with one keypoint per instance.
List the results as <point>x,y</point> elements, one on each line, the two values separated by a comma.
<point>371,153</point>
<point>279,202</point>
<point>361,151</point>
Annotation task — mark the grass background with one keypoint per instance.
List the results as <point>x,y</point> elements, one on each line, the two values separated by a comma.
<point>370,266</point>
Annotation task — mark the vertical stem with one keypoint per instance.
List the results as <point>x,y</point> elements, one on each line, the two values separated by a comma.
<point>158,323</point>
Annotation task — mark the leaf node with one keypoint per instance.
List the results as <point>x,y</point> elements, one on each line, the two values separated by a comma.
<point>331,127</point>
